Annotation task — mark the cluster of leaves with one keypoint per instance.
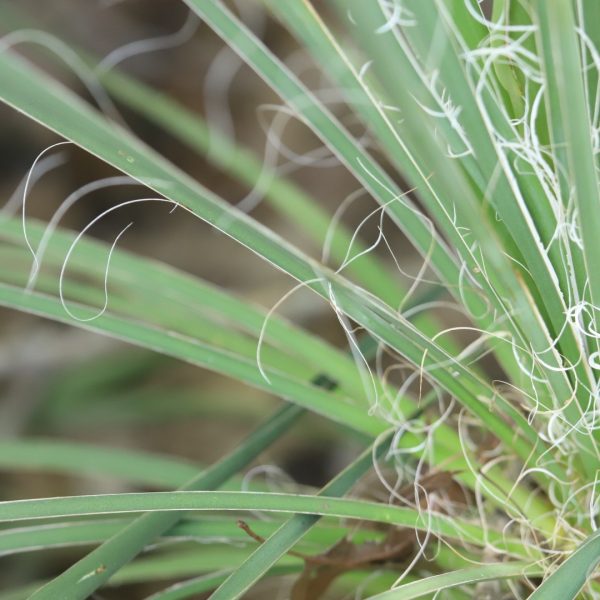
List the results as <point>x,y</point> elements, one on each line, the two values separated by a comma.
<point>492,120</point>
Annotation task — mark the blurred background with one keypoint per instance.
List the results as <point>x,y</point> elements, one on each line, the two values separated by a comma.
<point>64,383</point>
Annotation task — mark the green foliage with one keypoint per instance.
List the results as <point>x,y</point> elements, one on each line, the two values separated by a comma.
<point>481,149</point>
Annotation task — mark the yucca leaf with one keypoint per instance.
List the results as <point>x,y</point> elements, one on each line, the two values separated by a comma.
<point>76,457</point>
<point>472,575</point>
<point>47,536</point>
<point>498,275</point>
<point>323,123</point>
<point>147,271</point>
<point>68,115</point>
<point>84,577</point>
<point>287,198</point>
<point>198,585</point>
<point>302,19</point>
<point>571,132</point>
<point>107,504</point>
<point>195,352</point>
<point>154,292</point>
<point>290,532</point>
<point>567,581</point>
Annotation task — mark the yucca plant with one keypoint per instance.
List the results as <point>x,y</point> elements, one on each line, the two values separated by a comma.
<point>481,146</point>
